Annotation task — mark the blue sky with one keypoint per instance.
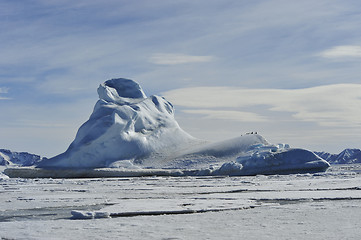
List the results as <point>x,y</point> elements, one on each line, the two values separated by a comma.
<point>287,69</point>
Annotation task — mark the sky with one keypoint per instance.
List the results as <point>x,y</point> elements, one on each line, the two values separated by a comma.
<point>289,70</point>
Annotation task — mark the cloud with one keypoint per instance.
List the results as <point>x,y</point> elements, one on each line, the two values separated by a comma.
<point>329,105</point>
<point>38,124</point>
<point>3,90</point>
<point>346,51</point>
<point>173,59</point>
<point>228,115</point>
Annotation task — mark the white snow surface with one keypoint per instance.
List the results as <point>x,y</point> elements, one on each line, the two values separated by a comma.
<point>128,130</point>
<point>323,205</point>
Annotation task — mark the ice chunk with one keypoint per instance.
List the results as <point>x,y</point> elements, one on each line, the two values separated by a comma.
<point>230,169</point>
<point>76,214</point>
<point>81,214</point>
<point>281,162</point>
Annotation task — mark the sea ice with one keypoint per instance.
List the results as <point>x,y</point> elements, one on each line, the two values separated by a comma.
<point>297,206</point>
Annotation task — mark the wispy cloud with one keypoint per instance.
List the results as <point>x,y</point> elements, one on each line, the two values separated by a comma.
<point>173,59</point>
<point>228,115</point>
<point>346,51</point>
<point>2,91</point>
<point>330,105</point>
<point>38,124</point>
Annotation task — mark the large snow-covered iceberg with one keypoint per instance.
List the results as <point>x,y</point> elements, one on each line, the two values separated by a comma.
<point>125,125</point>
<point>131,133</point>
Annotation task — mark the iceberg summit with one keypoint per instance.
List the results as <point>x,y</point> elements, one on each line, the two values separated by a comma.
<point>130,134</point>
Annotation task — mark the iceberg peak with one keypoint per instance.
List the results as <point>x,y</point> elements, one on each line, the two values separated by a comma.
<point>121,91</point>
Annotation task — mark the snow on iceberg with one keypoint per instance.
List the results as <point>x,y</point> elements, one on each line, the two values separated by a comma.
<point>125,125</point>
<point>281,161</point>
<point>130,134</point>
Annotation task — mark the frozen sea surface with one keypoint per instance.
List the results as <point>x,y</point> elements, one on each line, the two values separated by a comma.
<point>300,206</point>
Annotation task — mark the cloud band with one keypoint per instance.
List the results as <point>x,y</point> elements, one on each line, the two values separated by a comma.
<point>329,105</point>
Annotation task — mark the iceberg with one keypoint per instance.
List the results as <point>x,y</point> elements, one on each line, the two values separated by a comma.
<point>281,162</point>
<point>130,134</point>
<point>125,125</point>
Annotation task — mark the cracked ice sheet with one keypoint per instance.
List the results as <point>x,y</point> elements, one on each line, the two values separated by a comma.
<point>136,207</point>
<point>232,200</point>
<point>328,220</point>
<point>277,217</point>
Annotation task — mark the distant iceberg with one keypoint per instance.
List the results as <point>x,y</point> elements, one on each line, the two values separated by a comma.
<point>131,134</point>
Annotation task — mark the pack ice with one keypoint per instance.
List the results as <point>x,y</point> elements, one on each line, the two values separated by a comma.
<point>131,134</point>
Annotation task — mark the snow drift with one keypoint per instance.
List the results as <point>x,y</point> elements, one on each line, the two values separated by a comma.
<point>129,134</point>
